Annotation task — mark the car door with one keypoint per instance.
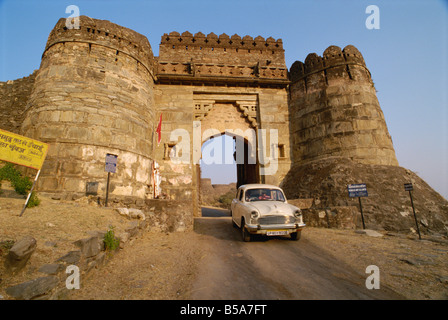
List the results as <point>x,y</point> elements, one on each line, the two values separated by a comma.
<point>236,207</point>
<point>233,204</point>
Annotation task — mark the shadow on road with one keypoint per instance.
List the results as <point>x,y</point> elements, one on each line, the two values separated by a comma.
<point>216,222</point>
<point>215,212</point>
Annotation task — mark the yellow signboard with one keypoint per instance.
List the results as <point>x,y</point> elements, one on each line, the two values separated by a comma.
<point>22,150</point>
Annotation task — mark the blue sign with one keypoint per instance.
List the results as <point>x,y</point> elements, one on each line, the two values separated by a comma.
<point>357,190</point>
<point>111,163</point>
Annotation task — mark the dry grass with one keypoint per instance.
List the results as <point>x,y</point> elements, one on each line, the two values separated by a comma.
<point>55,225</point>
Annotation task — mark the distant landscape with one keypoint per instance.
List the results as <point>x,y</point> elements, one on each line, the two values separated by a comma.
<point>217,195</point>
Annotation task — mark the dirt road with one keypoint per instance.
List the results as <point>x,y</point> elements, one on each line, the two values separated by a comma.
<point>274,268</point>
<point>213,263</point>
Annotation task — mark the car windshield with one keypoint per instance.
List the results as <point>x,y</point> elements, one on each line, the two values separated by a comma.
<point>264,194</point>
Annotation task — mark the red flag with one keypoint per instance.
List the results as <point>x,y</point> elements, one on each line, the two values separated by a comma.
<point>159,130</point>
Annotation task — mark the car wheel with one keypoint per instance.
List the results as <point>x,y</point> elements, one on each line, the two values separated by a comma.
<point>296,235</point>
<point>245,234</point>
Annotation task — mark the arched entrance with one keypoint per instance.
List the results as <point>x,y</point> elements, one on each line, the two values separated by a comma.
<point>209,111</point>
<point>229,158</point>
<point>235,119</point>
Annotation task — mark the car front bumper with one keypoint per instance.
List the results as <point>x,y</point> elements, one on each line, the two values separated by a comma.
<point>265,229</point>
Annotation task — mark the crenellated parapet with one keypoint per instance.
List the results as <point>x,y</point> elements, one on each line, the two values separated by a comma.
<point>200,56</point>
<point>333,64</point>
<point>222,41</point>
<point>104,33</point>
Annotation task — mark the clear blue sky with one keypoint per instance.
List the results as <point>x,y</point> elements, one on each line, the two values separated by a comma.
<point>407,56</point>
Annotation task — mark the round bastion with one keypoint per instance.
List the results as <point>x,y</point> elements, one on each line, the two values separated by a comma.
<point>335,112</point>
<point>93,95</point>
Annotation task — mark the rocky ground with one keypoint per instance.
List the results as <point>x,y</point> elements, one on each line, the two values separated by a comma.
<point>159,265</point>
<point>417,269</point>
<point>387,206</point>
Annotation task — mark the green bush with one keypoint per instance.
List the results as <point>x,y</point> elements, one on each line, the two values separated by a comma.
<point>110,241</point>
<point>21,184</point>
<point>8,172</point>
<point>34,200</point>
<point>5,246</point>
<point>226,199</point>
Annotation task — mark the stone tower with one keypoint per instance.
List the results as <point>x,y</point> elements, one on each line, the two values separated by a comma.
<point>335,112</point>
<point>339,137</point>
<point>93,95</point>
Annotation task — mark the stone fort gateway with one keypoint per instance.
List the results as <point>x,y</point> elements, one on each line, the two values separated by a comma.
<point>100,90</point>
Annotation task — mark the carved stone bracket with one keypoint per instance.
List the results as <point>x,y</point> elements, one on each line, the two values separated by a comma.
<point>202,108</point>
<point>249,110</point>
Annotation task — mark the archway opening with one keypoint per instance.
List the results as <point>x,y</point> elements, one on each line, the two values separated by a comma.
<point>226,163</point>
<point>229,159</point>
<point>217,162</point>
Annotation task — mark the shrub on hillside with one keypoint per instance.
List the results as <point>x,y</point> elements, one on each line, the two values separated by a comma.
<point>226,199</point>
<point>21,184</point>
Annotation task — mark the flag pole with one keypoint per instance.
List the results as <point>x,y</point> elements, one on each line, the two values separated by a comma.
<point>159,130</point>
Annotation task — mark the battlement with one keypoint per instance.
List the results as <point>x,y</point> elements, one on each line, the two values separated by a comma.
<point>107,34</point>
<point>222,41</point>
<point>211,56</point>
<point>345,61</point>
<point>176,47</point>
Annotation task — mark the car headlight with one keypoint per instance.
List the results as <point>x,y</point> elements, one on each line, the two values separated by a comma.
<point>298,213</point>
<point>254,214</point>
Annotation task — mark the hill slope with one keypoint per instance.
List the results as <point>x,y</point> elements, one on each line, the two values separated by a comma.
<point>387,206</point>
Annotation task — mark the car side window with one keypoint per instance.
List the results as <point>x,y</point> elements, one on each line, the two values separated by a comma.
<point>240,197</point>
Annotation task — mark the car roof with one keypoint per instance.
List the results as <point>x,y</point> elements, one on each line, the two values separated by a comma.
<point>258,185</point>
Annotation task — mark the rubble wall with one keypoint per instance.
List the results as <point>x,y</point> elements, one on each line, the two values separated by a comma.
<point>14,95</point>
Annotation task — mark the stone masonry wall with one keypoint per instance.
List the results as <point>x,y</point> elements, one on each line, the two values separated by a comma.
<point>221,58</point>
<point>177,105</point>
<point>225,83</point>
<point>222,49</point>
<point>335,111</point>
<point>92,96</point>
<point>14,95</point>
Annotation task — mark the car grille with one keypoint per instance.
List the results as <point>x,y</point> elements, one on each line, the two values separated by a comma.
<point>276,220</point>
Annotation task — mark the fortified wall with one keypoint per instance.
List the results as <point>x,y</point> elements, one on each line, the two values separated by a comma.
<point>99,90</point>
<point>335,111</point>
<point>93,94</point>
<point>14,98</point>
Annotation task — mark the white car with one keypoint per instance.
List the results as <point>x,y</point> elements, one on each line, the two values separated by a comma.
<point>263,209</point>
